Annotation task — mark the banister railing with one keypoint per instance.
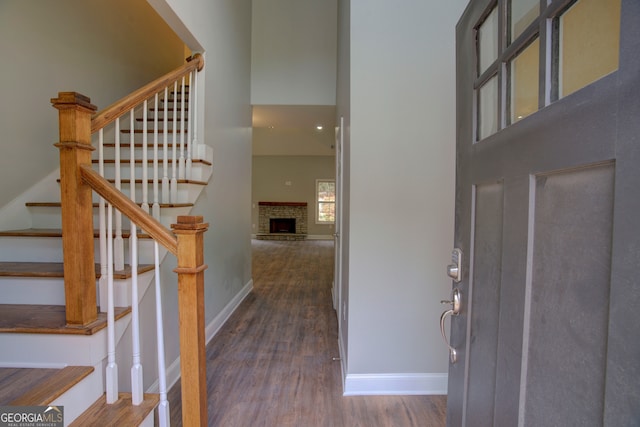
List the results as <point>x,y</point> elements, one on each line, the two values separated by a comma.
<point>121,107</point>
<point>78,180</point>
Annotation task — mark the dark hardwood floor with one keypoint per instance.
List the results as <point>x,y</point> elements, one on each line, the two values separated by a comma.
<point>272,362</point>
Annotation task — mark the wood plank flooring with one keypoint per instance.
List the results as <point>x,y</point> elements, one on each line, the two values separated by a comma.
<point>272,362</point>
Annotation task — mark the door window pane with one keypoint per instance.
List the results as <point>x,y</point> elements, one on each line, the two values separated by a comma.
<point>589,33</point>
<point>488,108</point>
<point>488,41</point>
<point>523,13</point>
<point>524,82</point>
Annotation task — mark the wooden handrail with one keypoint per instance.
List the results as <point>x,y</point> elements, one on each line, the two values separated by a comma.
<point>130,209</point>
<point>119,108</point>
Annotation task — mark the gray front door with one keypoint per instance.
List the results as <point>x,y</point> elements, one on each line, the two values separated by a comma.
<point>547,214</point>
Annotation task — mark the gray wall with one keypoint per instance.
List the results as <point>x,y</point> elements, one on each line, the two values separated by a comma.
<point>222,29</point>
<point>269,184</point>
<point>401,169</point>
<point>343,109</point>
<point>293,52</point>
<point>101,49</point>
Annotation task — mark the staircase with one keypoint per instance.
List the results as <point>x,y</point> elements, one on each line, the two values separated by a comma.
<point>48,359</point>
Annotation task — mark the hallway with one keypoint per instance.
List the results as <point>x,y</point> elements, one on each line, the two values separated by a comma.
<point>272,363</point>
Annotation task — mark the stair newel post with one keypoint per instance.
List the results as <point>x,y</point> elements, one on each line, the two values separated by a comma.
<point>75,111</point>
<point>190,235</point>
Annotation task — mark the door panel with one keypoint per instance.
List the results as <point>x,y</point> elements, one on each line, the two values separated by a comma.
<point>487,255</point>
<point>566,330</point>
<point>547,219</point>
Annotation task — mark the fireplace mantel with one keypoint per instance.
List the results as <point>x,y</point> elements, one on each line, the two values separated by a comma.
<point>282,203</point>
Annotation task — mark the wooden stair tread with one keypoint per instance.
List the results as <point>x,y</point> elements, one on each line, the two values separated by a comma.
<point>38,386</point>
<point>138,131</point>
<point>95,205</point>
<point>139,181</point>
<point>48,319</point>
<point>57,232</point>
<point>161,119</point>
<point>56,269</point>
<point>120,413</point>
<point>150,161</point>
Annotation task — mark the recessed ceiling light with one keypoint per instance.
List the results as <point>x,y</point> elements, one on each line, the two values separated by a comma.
<point>319,127</point>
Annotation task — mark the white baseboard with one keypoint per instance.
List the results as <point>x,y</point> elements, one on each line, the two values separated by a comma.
<point>320,237</point>
<point>214,326</point>
<point>173,371</point>
<point>309,236</point>
<point>395,384</point>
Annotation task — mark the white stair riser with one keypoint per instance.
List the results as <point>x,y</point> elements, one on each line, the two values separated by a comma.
<point>81,396</point>
<point>31,290</point>
<point>50,290</point>
<point>49,216</point>
<point>186,193</point>
<point>49,249</point>
<point>32,249</point>
<point>199,171</point>
<point>122,291</point>
<point>45,350</point>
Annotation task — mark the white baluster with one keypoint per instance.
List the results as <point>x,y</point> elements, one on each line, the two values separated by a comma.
<point>165,149</point>
<point>174,159</point>
<point>156,204</point>
<point>198,150</point>
<point>132,157</point>
<point>183,131</point>
<point>137,388</point>
<point>111,373</point>
<point>189,128</point>
<point>103,227</point>
<point>118,248</point>
<point>145,178</point>
<point>163,406</point>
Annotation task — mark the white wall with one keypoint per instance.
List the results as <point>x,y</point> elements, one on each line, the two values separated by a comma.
<point>294,52</point>
<point>402,104</point>
<point>101,49</point>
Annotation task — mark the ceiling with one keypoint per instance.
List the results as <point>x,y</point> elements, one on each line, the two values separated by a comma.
<point>292,130</point>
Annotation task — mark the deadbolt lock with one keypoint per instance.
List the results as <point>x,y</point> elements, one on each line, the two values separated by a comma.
<point>454,270</point>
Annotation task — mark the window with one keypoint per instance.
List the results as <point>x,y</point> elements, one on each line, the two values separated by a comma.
<point>531,53</point>
<point>325,201</point>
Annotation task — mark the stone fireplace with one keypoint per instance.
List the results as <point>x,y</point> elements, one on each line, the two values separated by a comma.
<point>282,221</point>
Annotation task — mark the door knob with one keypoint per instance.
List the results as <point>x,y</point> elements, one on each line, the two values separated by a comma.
<point>453,311</point>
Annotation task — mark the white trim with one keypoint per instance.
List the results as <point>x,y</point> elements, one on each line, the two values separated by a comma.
<point>309,237</point>
<point>320,237</point>
<point>214,326</point>
<point>172,374</point>
<point>395,384</point>
<point>28,365</point>
<point>343,364</point>
<point>173,371</point>
<point>317,221</point>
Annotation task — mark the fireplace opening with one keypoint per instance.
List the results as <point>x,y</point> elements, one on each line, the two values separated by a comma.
<point>282,225</point>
